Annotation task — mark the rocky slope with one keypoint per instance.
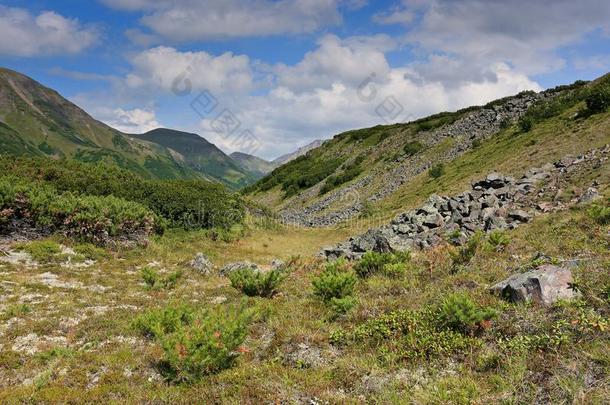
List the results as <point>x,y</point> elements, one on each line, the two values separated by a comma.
<point>496,202</point>
<point>253,164</point>
<point>299,152</point>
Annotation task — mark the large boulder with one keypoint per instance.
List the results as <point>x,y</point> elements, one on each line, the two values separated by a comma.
<point>544,285</point>
<point>201,264</point>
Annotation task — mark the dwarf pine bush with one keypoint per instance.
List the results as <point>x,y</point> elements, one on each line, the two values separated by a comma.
<point>375,263</point>
<point>255,283</point>
<point>335,282</point>
<point>460,313</point>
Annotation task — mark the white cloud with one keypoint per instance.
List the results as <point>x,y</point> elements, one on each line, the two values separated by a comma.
<point>190,20</point>
<point>171,70</point>
<point>27,35</point>
<point>133,121</point>
<point>523,33</point>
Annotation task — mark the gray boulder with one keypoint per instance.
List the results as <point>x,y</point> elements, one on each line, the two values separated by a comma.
<point>201,264</point>
<point>545,285</point>
<point>231,267</point>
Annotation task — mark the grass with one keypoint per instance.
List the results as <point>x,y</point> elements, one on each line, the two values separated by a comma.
<point>492,360</point>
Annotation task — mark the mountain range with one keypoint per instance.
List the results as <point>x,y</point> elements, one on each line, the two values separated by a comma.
<point>37,121</point>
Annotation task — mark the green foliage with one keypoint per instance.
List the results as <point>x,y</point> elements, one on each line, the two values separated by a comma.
<point>600,213</point>
<point>91,252</point>
<point>459,313</point>
<point>389,264</point>
<point>350,172</point>
<point>406,334</point>
<point>526,123</point>
<point>190,204</point>
<point>154,281</point>
<point>394,270</point>
<point>413,147</point>
<point>195,345</point>
<point>335,282</point>
<point>342,305</point>
<point>498,239</point>
<point>17,310</point>
<point>162,321</point>
<point>256,283</point>
<point>41,250</point>
<point>436,171</point>
<point>598,99</point>
<point>463,255</point>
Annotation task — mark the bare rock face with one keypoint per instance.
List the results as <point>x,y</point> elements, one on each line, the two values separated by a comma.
<point>545,285</point>
<point>201,264</point>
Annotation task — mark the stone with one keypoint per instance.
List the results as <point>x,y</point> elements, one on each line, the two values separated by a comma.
<point>433,221</point>
<point>590,195</point>
<point>519,215</point>
<point>201,264</point>
<point>545,285</point>
<point>277,264</point>
<point>231,267</point>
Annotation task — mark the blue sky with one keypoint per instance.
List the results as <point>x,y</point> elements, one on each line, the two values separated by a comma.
<point>291,71</point>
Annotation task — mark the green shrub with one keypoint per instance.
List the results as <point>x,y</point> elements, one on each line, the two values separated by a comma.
<point>526,123</point>
<point>342,305</point>
<point>205,346</point>
<point>91,252</point>
<point>413,147</point>
<point>335,282</point>
<point>94,219</point>
<point>498,239</point>
<point>41,250</point>
<point>159,322</point>
<point>437,171</point>
<point>256,283</point>
<point>600,213</point>
<point>395,270</point>
<point>375,263</point>
<point>195,345</point>
<point>189,204</point>
<point>350,172</point>
<point>463,255</point>
<point>458,312</point>
<point>598,99</point>
<point>154,281</point>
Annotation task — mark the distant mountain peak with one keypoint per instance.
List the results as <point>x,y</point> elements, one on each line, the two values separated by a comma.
<point>299,152</point>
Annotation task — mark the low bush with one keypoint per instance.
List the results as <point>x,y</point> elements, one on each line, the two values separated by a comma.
<point>190,204</point>
<point>381,263</point>
<point>600,213</point>
<point>350,172</point>
<point>195,345</point>
<point>498,240</point>
<point>461,256</point>
<point>598,99</point>
<point>40,250</point>
<point>256,283</point>
<point>90,251</point>
<point>335,282</point>
<point>460,313</point>
<point>95,219</point>
<point>436,171</point>
<point>154,281</point>
<point>413,147</point>
<point>159,322</point>
<point>394,270</point>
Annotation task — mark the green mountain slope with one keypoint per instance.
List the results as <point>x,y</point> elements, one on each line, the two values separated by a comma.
<point>199,155</point>
<point>375,169</point>
<point>253,164</point>
<point>36,120</point>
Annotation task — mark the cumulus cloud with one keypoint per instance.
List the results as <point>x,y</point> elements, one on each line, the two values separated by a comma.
<point>189,20</point>
<point>525,34</point>
<point>27,35</point>
<point>170,70</point>
<point>133,121</point>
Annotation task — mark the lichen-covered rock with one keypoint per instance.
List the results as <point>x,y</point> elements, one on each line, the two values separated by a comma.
<point>231,267</point>
<point>545,285</point>
<point>201,264</point>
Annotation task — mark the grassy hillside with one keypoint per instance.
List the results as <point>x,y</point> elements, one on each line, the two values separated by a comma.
<point>253,164</point>
<point>200,156</point>
<point>379,169</point>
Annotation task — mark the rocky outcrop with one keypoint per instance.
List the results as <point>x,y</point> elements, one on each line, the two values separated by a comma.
<point>495,202</point>
<point>477,125</point>
<point>545,285</point>
<point>231,267</point>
